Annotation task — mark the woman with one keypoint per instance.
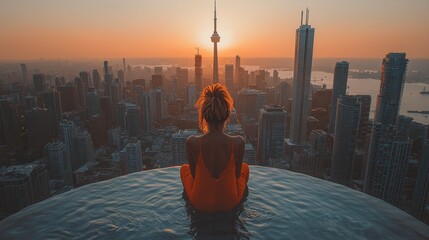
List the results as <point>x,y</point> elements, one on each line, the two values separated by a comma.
<point>216,177</point>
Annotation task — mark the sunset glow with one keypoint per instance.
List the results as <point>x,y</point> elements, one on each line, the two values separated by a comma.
<point>148,28</point>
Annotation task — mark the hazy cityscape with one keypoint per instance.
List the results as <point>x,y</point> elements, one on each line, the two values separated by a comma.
<point>359,122</point>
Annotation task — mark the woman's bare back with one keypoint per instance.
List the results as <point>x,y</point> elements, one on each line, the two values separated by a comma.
<point>216,149</point>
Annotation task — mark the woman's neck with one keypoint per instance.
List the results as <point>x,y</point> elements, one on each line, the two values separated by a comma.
<point>215,129</point>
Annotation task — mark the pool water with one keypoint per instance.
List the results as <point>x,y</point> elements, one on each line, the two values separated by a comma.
<point>150,205</point>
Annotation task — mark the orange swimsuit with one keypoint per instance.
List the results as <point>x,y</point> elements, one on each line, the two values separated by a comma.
<point>210,194</point>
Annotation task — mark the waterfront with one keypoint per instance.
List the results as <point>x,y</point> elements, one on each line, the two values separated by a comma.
<point>411,99</point>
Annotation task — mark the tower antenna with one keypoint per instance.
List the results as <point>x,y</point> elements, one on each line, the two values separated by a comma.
<point>198,50</point>
<point>307,16</point>
<point>302,16</point>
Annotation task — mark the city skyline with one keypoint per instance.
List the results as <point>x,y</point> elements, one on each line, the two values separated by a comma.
<point>112,29</point>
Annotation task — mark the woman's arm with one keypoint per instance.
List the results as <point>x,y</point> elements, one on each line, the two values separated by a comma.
<point>190,149</point>
<point>238,154</point>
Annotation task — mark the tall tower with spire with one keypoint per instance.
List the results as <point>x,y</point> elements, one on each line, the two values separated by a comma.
<point>215,39</point>
<point>301,81</point>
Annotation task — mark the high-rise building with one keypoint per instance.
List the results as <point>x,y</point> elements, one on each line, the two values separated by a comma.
<point>388,157</point>
<point>389,150</point>
<point>364,125</point>
<point>341,73</point>
<point>345,132</point>
<point>22,185</point>
<point>215,39</point>
<point>85,77</point>
<point>147,112</point>
<point>132,119</point>
<point>158,105</point>
<point>68,132</point>
<point>134,162</point>
<point>182,81</point>
<point>237,78</point>
<point>318,140</point>
<point>30,102</point>
<point>9,128</point>
<point>229,76</point>
<point>106,109</point>
<point>93,100</point>
<point>276,77</point>
<point>59,162</point>
<point>282,94</point>
<point>50,100</point>
<point>158,71</point>
<point>421,190</point>
<point>393,71</point>
<point>260,80</point>
<point>84,147</point>
<point>115,97</point>
<point>249,101</point>
<point>156,81</point>
<point>191,96</point>
<point>36,121</point>
<point>179,145</point>
<point>108,79</point>
<point>81,94</point>
<point>68,97</point>
<point>271,133</point>
<point>96,78</point>
<point>198,71</point>
<point>39,81</point>
<point>301,82</point>
<point>24,73</point>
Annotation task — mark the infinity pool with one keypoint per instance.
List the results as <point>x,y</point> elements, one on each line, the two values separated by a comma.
<point>150,205</point>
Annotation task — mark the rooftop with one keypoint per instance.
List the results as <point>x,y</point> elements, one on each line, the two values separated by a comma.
<point>149,205</point>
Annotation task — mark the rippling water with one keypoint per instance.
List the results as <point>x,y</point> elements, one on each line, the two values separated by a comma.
<point>150,205</point>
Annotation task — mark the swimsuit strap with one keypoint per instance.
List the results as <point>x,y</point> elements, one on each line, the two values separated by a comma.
<point>201,143</point>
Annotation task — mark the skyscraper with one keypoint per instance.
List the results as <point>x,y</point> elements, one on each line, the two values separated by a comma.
<point>132,120</point>
<point>237,78</point>
<point>191,96</point>
<point>39,81</point>
<point>179,145</point>
<point>147,116</point>
<point>346,128</point>
<point>301,82</point>
<point>134,161</point>
<point>84,147</point>
<point>81,94</point>
<point>341,73</point>
<point>93,99</point>
<point>68,97</point>
<point>24,73</point>
<point>215,39</point>
<point>198,71</point>
<point>68,131</point>
<point>158,105</point>
<point>388,157</point>
<point>108,78</point>
<point>271,134</point>
<point>420,196</point>
<point>59,162</point>
<point>389,150</point>
<point>393,71</point>
<point>50,100</point>
<point>9,128</point>
<point>37,119</point>
<point>96,79</point>
<point>229,77</point>
<point>182,81</point>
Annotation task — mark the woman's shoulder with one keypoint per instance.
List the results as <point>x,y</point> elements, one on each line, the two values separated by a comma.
<point>194,139</point>
<point>238,140</point>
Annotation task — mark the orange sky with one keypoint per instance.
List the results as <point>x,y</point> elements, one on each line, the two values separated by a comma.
<point>251,28</point>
